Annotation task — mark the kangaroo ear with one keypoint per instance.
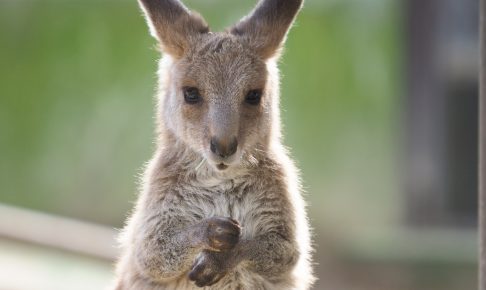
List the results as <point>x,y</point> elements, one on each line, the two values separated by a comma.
<point>172,24</point>
<point>266,27</point>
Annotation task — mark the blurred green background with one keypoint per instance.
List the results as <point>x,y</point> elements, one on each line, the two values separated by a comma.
<point>77,80</point>
<point>77,110</point>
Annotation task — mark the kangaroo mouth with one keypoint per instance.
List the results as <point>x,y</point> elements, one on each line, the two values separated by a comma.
<point>221,166</point>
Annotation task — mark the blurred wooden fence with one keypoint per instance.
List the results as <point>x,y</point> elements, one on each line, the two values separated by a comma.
<point>58,232</point>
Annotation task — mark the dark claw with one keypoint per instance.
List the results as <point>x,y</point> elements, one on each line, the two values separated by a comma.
<point>205,272</point>
<point>205,280</point>
<point>197,269</point>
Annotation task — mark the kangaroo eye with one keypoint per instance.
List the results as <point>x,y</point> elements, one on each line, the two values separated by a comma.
<point>253,97</point>
<point>191,95</point>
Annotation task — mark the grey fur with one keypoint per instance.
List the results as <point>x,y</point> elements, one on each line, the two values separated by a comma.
<point>244,227</point>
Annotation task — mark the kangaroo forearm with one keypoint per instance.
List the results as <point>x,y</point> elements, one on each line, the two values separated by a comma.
<point>169,253</point>
<point>270,255</point>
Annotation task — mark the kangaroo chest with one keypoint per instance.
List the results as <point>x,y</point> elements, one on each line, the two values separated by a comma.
<point>235,201</point>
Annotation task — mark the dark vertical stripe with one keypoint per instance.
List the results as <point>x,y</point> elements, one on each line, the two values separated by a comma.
<point>482,149</point>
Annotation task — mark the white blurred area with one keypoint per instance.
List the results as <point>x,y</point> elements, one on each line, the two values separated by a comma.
<point>45,252</point>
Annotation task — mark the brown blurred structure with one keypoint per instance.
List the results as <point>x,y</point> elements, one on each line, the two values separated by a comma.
<point>441,112</point>
<point>482,148</point>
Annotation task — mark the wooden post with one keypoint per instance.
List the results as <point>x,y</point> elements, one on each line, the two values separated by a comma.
<point>482,147</point>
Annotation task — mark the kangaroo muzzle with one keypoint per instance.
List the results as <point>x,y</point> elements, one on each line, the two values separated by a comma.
<point>224,147</point>
<point>223,141</point>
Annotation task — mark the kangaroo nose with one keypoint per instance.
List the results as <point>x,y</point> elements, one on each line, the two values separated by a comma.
<point>223,148</point>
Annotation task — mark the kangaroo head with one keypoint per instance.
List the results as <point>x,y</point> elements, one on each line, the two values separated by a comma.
<point>219,90</point>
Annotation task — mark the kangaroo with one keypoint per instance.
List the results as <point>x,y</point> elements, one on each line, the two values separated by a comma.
<point>220,204</point>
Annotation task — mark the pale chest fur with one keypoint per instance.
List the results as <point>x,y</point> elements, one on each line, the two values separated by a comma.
<point>257,209</point>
